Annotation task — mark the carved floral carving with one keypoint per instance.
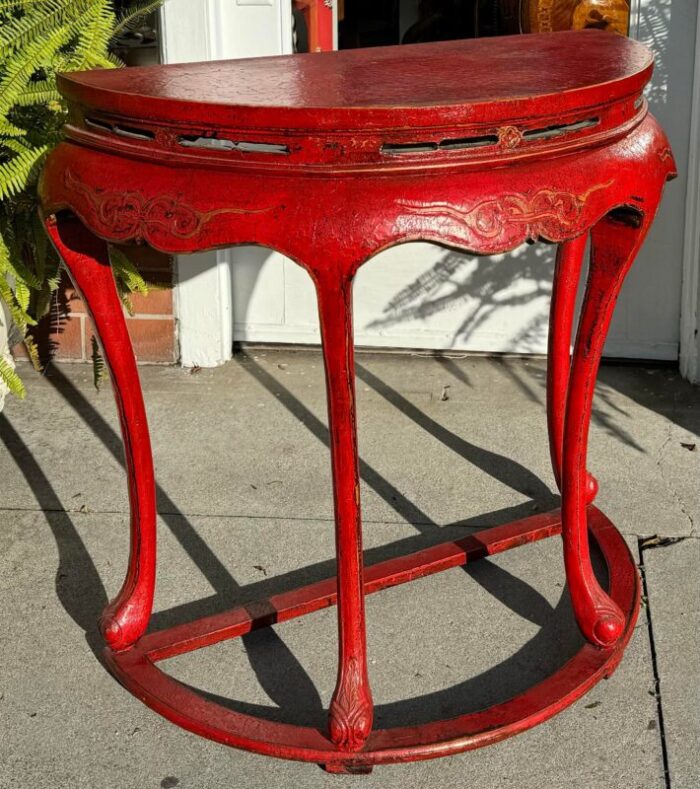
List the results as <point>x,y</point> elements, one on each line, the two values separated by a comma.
<point>548,213</point>
<point>509,136</point>
<point>133,216</point>
<point>350,719</point>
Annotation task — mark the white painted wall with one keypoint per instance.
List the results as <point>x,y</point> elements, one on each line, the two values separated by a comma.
<point>420,295</point>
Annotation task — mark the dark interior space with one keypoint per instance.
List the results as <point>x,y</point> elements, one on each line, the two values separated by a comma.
<point>369,23</point>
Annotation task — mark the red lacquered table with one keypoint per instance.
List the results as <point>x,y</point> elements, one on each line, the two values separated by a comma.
<point>328,159</point>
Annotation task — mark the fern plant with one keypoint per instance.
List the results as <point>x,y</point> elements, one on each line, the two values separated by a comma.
<point>39,39</point>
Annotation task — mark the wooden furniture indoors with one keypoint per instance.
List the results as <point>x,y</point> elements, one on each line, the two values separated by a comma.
<point>543,16</point>
<point>499,17</point>
<point>330,159</point>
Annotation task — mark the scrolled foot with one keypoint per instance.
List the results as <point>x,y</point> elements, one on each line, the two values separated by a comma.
<point>122,625</point>
<point>351,710</point>
<point>608,628</point>
<point>112,632</point>
<point>602,622</point>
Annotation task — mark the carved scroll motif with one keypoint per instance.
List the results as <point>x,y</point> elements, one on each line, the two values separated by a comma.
<point>547,213</point>
<point>130,216</point>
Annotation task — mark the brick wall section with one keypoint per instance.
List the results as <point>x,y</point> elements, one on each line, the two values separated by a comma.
<point>65,334</point>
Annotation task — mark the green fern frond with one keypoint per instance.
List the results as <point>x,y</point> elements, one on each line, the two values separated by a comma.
<point>35,21</point>
<point>8,129</point>
<point>17,299</point>
<point>20,318</point>
<point>54,281</point>
<point>125,299</point>
<point>39,39</point>
<point>21,66</point>
<point>41,92</point>
<point>15,144</point>
<point>43,298</point>
<point>32,352</point>
<point>136,14</point>
<point>22,276</point>
<point>4,257</point>
<point>11,380</point>
<point>5,254</point>
<point>128,277</point>
<point>114,61</point>
<point>15,5</point>
<point>19,172</point>
<point>93,41</point>
<point>22,294</point>
<point>8,7</point>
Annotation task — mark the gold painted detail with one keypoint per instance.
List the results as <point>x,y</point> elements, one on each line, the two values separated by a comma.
<point>613,15</point>
<point>509,136</point>
<point>545,23</point>
<point>549,213</point>
<point>131,215</point>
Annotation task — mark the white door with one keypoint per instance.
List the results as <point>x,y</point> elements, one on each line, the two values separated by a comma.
<point>423,296</point>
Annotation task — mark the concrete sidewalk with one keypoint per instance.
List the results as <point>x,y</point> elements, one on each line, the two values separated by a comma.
<point>448,445</point>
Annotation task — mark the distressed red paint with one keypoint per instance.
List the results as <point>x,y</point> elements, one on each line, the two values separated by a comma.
<point>330,159</point>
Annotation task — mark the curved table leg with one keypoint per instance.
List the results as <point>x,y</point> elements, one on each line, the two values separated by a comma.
<point>615,241</point>
<point>567,274</point>
<point>126,618</point>
<point>351,709</point>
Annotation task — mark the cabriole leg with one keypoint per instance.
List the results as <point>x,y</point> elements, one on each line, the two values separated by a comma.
<point>351,709</point>
<point>86,257</point>
<point>567,273</point>
<point>614,244</point>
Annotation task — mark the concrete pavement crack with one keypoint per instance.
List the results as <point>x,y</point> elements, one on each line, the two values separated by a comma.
<point>655,668</point>
<point>668,483</point>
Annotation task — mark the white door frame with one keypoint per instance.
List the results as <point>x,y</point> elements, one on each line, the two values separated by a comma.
<point>690,283</point>
<point>215,30</point>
